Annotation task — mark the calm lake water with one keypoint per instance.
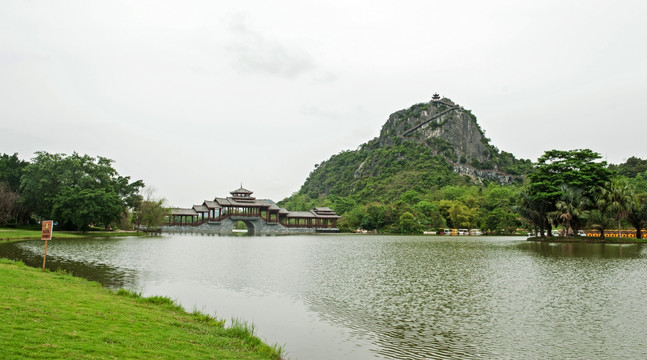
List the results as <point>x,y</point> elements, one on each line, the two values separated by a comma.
<point>387,297</point>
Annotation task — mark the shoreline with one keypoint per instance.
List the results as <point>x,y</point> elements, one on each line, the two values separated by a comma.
<point>73,317</point>
<point>17,234</point>
<point>587,240</point>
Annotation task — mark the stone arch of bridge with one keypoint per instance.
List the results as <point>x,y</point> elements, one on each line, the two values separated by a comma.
<point>250,225</point>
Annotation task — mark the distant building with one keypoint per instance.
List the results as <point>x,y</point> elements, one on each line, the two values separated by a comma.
<point>241,205</point>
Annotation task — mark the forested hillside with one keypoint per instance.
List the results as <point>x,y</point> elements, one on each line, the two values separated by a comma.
<point>429,152</point>
<point>431,167</point>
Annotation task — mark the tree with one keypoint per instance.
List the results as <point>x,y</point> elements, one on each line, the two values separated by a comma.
<point>84,207</point>
<point>342,205</point>
<point>8,204</point>
<point>617,198</point>
<point>77,190</point>
<point>637,217</point>
<point>499,219</point>
<point>578,169</point>
<point>461,215</point>
<point>598,219</point>
<point>11,169</point>
<point>408,224</point>
<point>570,209</point>
<point>41,182</point>
<point>632,167</point>
<point>410,197</point>
<point>352,219</point>
<point>533,211</point>
<point>429,214</point>
<point>378,216</point>
<point>151,212</point>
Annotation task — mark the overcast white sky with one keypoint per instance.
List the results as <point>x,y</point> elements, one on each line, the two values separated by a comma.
<point>195,97</point>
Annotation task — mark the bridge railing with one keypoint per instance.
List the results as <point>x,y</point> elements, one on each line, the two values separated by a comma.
<point>311,226</point>
<point>223,217</point>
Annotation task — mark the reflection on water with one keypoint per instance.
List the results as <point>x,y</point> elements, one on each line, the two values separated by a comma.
<point>607,251</point>
<point>81,261</point>
<point>390,297</point>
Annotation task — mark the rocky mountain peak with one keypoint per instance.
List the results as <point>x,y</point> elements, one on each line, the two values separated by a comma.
<point>443,126</point>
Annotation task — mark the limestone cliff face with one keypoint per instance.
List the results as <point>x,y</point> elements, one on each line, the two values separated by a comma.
<point>449,130</point>
<point>446,128</point>
<point>427,145</point>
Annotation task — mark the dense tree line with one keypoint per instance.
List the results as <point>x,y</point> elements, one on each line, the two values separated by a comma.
<point>574,189</point>
<point>569,190</point>
<point>76,191</point>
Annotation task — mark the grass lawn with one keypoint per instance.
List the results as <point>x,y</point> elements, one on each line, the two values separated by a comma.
<point>55,315</point>
<point>33,233</point>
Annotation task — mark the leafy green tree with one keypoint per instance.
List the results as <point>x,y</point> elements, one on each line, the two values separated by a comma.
<point>618,199</point>
<point>342,205</point>
<point>637,217</point>
<point>151,212</point>
<point>570,209</point>
<point>533,211</point>
<point>83,207</point>
<point>77,190</point>
<point>410,197</point>
<point>8,204</point>
<point>41,182</point>
<point>500,220</point>
<point>352,219</point>
<point>11,169</point>
<point>407,224</point>
<point>429,214</point>
<point>598,219</point>
<point>461,216</point>
<point>378,216</point>
<point>632,167</point>
<point>575,168</point>
<point>639,182</point>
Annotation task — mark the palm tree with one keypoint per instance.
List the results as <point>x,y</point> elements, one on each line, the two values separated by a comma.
<point>570,209</point>
<point>598,220</point>
<point>533,212</point>
<point>637,217</point>
<point>617,197</point>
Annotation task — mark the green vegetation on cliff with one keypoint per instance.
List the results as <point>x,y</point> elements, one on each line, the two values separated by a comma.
<point>429,163</point>
<point>432,167</point>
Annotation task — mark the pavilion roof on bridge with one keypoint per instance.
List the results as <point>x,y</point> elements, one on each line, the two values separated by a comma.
<point>324,211</point>
<point>233,201</point>
<point>201,208</point>
<point>301,214</point>
<point>241,190</point>
<point>317,213</point>
<point>211,204</point>
<point>183,212</point>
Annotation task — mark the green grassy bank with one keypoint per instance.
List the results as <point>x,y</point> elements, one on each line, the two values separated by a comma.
<point>33,233</point>
<point>55,315</point>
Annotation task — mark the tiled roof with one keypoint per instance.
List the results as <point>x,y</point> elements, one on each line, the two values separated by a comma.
<point>183,212</point>
<point>200,208</point>
<point>242,190</point>
<point>211,204</point>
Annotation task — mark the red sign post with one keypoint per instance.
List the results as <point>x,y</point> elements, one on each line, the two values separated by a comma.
<point>46,234</point>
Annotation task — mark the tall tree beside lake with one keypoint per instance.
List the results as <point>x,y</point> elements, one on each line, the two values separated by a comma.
<point>577,169</point>
<point>11,168</point>
<point>618,197</point>
<point>151,212</point>
<point>77,190</point>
